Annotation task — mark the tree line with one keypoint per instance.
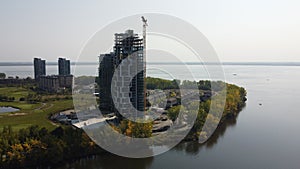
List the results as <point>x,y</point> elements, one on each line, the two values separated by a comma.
<point>35,147</point>
<point>163,84</point>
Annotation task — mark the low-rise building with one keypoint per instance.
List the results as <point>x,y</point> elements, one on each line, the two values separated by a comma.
<point>54,83</point>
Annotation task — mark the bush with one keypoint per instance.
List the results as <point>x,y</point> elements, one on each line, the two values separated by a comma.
<point>11,99</point>
<point>2,75</point>
<point>3,98</point>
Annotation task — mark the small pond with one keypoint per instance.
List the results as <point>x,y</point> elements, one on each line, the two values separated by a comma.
<point>8,109</point>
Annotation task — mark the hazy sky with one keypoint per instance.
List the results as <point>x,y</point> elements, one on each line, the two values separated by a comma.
<point>239,30</point>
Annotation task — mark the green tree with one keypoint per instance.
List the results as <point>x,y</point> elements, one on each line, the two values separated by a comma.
<point>33,98</point>
<point>173,112</point>
<point>139,129</point>
<point>2,75</point>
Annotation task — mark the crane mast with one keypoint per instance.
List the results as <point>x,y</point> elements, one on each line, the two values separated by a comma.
<point>144,59</point>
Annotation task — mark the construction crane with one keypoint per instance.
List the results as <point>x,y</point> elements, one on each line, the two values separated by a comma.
<point>145,24</point>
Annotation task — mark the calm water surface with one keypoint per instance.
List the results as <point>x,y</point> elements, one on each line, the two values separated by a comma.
<point>262,137</point>
<point>7,109</point>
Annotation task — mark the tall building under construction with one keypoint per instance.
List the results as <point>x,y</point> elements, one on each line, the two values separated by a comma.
<point>128,46</point>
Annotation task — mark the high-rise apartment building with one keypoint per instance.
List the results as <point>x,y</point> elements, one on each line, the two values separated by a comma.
<point>39,67</point>
<point>64,66</point>
<point>53,83</point>
<point>128,48</point>
<point>106,71</point>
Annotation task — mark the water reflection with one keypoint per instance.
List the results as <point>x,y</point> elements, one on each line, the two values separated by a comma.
<point>194,148</point>
<point>110,161</point>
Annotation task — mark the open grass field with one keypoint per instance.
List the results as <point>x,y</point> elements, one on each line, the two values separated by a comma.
<point>25,118</point>
<point>30,114</point>
<point>21,105</point>
<point>16,92</point>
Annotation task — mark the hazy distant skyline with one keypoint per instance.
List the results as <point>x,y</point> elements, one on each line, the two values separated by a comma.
<point>239,30</point>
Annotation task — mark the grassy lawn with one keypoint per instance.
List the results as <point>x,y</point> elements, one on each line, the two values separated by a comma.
<point>30,114</point>
<point>21,105</point>
<point>16,92</point>
<point>25,118</point>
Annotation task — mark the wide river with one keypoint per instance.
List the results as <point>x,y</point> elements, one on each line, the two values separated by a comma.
<point>264,136</point>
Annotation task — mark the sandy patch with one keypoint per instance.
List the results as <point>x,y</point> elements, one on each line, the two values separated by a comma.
<point>18,114</point>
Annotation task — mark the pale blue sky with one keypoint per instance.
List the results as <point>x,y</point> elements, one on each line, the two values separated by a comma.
<point>239,30</point>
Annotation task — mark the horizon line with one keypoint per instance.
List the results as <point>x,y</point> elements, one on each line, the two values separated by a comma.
<point>256,63</point>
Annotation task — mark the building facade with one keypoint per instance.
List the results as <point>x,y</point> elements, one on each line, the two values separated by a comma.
<point>49,83</point>
<point>64,67</point>
<point>127,59</point>
<point>55,83</point>
<point>106,71</point>
<point>39,68</point>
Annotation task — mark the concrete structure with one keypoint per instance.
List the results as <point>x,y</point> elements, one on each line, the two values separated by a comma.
<point>128,46</point>
<point>106,71</point>
<point>54,83</point>
<point>64,66</point>
<point>65,81</point>
<point>49,83</point>
<point>39,67</point>
<point>94,122</point>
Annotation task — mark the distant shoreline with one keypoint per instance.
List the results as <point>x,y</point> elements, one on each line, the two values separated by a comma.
<point>168,63</point>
